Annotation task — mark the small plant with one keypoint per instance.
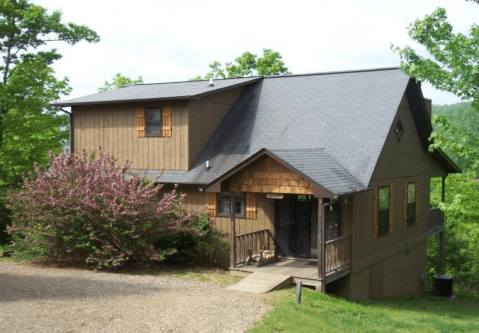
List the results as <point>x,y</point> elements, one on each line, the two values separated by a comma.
<point>87,209</point>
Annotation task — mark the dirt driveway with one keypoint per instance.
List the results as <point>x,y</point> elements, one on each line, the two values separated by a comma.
<point>38,300</point>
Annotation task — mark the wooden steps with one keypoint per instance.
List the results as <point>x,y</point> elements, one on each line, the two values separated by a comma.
<point>261,283</point>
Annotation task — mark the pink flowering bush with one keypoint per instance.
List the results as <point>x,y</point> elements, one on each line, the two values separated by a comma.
<point>87,209</point>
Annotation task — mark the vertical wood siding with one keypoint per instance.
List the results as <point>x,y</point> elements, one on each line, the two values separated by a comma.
<point>114,128</point>
<point>205,116</point>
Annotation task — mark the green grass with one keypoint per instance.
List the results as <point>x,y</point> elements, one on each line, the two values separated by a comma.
<point>324,313</point>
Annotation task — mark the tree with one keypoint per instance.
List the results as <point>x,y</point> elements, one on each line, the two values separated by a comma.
<point>29,127</point>
<point>453,66</point>
<point>248,64</point>
<point>119,81</point>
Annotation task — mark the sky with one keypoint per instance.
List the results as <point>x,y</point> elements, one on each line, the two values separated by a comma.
<point>166,41</point>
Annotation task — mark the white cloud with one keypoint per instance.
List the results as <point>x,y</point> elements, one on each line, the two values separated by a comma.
<point>173,40</point>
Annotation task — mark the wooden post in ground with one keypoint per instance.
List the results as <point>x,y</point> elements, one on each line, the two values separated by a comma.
<point>233,230</point>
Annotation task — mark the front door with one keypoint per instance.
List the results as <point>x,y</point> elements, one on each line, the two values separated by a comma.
<point>293,225</point>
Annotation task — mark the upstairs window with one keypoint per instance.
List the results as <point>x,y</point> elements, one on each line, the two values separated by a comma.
<point>154,122</point>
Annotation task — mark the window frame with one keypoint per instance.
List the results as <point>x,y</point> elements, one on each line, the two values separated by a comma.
<point>376,211</point>
<point>386,211</point>
<point>226,197</point>
<point>407,212</point>
<point>160,126</point>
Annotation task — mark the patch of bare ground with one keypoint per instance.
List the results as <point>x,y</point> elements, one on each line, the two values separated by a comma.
<point>44,298</point>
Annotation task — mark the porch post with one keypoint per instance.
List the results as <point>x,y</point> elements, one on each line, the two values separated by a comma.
<point>233,230</point>
<point>441,233</point>
<point>321,248</point>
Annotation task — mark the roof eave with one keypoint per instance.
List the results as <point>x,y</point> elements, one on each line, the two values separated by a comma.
<point>66,103</point>
<point>184,97</point>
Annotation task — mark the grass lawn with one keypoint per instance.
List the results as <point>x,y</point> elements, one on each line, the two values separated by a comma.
<point>324,313</point>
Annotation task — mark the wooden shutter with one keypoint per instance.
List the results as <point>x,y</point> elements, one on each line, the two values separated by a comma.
<point>211,209</point>
<point>375,212</point>
<point>166,122</point>
<point>251,206</point>
<point>391,207</point>
<point>140,122</point>
<point>405,199</point>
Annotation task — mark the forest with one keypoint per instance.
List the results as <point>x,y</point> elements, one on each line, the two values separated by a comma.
<point>462,198</point>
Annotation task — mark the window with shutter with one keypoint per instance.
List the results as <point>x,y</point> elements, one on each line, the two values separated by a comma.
<point>251,206</point>
<point>154,122</point>
<point>140,122</point>
<point>211,209</point>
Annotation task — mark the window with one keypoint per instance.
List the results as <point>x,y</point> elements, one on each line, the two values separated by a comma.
<point>225,205</point>
<point>383,210</point>
<point>410,204</point>
<point>153,122</point>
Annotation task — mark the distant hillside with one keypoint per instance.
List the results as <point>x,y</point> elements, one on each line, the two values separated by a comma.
<point>446,108</point>
<point>463,117</point>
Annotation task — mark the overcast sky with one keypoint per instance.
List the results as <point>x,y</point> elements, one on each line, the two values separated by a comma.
<point>174,40</point>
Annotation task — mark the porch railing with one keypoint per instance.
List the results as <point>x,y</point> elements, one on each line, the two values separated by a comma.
<point>338,253</point>
<point>251,240</point>
<point>436,223</point>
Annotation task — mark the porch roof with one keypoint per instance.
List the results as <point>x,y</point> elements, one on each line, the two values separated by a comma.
<point>314,165</point>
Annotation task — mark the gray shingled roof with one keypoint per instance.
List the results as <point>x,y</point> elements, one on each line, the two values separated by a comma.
<point>338,121</point>
<point>158,91</point>
<point>317,165</point>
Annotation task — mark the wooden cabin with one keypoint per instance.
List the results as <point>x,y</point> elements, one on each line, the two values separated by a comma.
<point>330,171</point>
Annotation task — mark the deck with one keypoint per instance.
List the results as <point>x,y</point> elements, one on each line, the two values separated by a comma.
<point>305,271</point>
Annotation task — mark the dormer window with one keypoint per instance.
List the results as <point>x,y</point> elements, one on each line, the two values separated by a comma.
<point>154,122</point>
<point>399,130</point>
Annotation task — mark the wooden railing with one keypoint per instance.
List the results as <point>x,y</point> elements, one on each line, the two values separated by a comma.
<point>436,222</point>
<point>338,253</point>
<point>251,240</point>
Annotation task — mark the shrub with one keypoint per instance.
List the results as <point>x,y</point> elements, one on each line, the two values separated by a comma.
<point>211,249</point>
<point>87,209</point>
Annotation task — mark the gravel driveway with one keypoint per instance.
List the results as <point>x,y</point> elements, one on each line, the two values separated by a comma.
<point>67,300</point>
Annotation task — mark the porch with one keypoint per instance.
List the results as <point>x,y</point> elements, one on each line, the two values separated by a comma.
<point>337,263</point>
